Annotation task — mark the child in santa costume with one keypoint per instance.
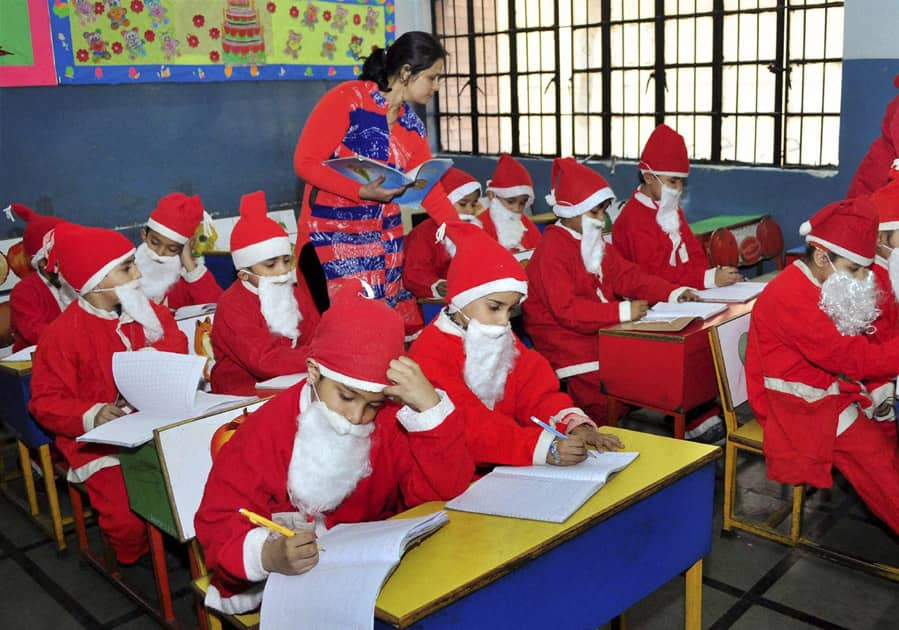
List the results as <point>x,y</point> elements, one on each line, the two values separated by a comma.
<point>818,383</point>
<point>72,387</point>
<point>652,230</point>
<point>886,262</point>
<point>510,192</point>
<point>170,274</point>
<point>872,170</point>
<point>40,297</point>
<point>579,284</point>
<point>332,449</point>
<point>427,257</point>
<point>263,323</point>
<point>497,383</point>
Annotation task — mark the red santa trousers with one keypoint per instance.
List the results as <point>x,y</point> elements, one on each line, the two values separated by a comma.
<point>125,531</point>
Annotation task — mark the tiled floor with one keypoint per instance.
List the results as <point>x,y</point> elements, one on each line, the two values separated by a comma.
<point>749,583</point>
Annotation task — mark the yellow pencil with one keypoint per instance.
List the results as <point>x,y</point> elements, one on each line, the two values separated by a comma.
<point>271,526</point>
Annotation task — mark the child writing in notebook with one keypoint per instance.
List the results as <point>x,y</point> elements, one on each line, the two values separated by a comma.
<point>427,258</point>
<point>510,192</point>
<point>72,387</point>
<point>332,449</point>
<point>40,297</point>
<point>264,322</point>
<point>652,230</point>
<point>497,383</point>
<point>579,284</point>
<point>170,274</point>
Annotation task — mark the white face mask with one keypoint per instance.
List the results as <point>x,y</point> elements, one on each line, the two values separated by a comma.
<point>158,273</point>
<point>667,215</point>
<point>137,306</point>
<point>850,303</point>
<point>278,304</point>
<point>592,244</point>
<point>490,355</point>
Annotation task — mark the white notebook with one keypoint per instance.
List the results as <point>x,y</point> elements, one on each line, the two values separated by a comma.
<point>22,355</point>
<point>668,311</point>
<point>540,493</point>
<point>737,292</point>
<point>162,387</point>
<point>285,381</point>
<point>341,590</point>
<point>194,310</point>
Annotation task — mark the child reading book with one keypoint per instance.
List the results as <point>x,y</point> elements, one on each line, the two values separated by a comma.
<point>264,322</point>
<point>72,387</point>
<point>332,449</point>
<point>494,380</point>
<point>579,284</point>
<point>427,257</point>
<point>510,192</point>
<point>170,274</point>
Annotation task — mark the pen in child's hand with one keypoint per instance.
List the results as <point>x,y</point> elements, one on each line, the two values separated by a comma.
<point>546,427</point>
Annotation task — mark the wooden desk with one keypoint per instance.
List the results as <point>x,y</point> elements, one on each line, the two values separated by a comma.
<point>668,372</point>
<point>650,523</point>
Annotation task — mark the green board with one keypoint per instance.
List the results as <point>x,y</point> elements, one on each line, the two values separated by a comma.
<point>709,225</point>
<point>15,34</point>
<point>145,483</point>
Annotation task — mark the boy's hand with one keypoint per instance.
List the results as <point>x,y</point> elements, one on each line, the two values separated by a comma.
<point>600,441</point>
<point>638,309</point>
<point>372,191</point>
<point>107,413</point>
<point>187,256</point>
<point>726,276</point>
<point>291,555</point>
<point>571,451</point>
<point>411,386</point>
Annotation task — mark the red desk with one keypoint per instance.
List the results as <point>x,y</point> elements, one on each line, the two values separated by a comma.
<point>668,372</point>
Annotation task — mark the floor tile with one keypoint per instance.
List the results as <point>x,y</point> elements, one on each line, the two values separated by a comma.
<point>740,559</point>
<point>24,604</point>
<point>664,609</point>
<point>758,617</point>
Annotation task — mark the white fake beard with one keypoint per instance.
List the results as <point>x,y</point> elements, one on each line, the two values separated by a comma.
<point>850,303</point>
<point>593,246</point>
<point>893,267</point>
<point>137,306</point>
<point>490,355</point>
<point>330,456</point>
<point>509,226</point>
<point>667,216</point>
<point>158,273</point>
<point>278,303</point>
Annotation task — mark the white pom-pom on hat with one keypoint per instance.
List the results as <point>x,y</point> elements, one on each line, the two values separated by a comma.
<point>805,229</point>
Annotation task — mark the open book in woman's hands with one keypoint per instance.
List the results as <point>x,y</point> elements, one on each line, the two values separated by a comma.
<point>417,183</point>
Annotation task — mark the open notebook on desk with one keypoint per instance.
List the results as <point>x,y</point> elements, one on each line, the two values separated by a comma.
<point>540,493</point>
<point>341,590</point>
<point>162,387</point>
<point>22,355</point>
<point>668,311</point>
<point>735,293</point>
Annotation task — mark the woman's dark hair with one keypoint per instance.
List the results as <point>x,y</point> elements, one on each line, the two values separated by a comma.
<point>417,49</point>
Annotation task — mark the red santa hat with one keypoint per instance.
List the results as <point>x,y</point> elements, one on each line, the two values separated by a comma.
<point>576,188</point>
<point>85,255</point>
<point>847,228</point>
<point>357,338</point>
<point>886,202</point>
<point>480,267</point>
<point>665,153</point>
<point>177,216</point>
<point>36,226</point>
<point>457,184</point>
<point>255,236</point>
<point>511,179</point>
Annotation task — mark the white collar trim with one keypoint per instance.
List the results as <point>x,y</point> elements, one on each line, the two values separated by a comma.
<point>444,323</point>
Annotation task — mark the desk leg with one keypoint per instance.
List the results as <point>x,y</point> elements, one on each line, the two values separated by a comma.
<point>160,571</point>
<point>680,425</point>
<point>198,570</point>
<point>28,477</point>
<point>52,496</point>
<point>693,597</point>
<point>611,412</point>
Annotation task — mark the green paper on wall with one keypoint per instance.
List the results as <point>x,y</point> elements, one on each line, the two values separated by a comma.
<point>15,34</point>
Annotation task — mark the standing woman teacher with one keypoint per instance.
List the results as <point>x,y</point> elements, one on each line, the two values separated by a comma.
<point>356,229</point>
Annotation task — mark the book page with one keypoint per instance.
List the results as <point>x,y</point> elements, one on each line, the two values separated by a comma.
<point>423,179</point>
<point>153,381</point>
<point>194,310</point>
<point>533,498</point>
<point>285,381</point>
<point>666,311</point>
<point>22,355</point>
<point>738,292</point>
<point>591,469</point>
<point>364,170</point>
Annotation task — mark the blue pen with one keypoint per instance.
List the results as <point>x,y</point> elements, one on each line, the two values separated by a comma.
<point>546,427</point>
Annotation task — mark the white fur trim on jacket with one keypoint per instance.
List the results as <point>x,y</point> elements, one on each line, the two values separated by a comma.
<point>238,603</point>
<point>257,252</point>
<point>196,274</point>
<point>709,278</point>
<point>419,421</point>
<point>576,369</point>
<point>674,296</point>
<point>624,311</point>
<point>541,450</point>
<point>252,554</point>
<point>89,418</point>
<point>80,475</point>
<point>167,231</point>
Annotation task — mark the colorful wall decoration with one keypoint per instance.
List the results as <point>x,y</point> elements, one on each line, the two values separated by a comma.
<point>124,41</point>
<point>26,55</point>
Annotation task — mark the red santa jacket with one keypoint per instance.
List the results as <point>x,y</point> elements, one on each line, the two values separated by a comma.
<point>567,304</point>
<point>873,169</point>
<point>888,321</point>
<point>33,305</point>
<point>246,351</point>
<point>71,377</point>
<point>199,287</point>
<point>806,381</point>
<point>504,434</point>
<point>423,460</point>
<point>640,239</point>
<point>427,261</point>
<point>529,240</point>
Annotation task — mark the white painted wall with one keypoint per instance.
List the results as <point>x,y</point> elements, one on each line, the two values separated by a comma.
<point>870,29</point>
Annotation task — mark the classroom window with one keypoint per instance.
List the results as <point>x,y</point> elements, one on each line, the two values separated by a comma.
<point>745,81</point>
